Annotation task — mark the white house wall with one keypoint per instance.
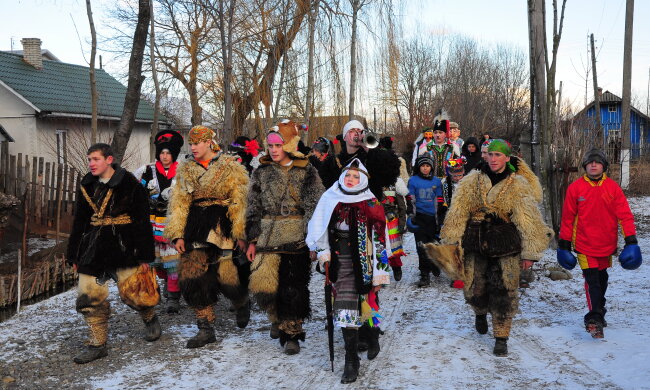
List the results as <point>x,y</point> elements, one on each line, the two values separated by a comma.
<point>18,119</point>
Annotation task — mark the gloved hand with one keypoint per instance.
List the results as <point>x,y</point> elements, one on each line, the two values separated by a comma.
<point>564,256</point>
<point>412,227</point>
<point>630,257</point>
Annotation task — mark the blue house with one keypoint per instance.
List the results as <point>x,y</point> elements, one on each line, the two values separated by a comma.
<point>611,118</point>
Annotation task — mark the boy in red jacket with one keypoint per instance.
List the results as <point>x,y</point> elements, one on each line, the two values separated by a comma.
<point>593,209</point>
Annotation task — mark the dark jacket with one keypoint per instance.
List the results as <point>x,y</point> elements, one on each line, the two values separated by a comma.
<point>382,164</point>
<point>98,249</point>
<point>473,159</point>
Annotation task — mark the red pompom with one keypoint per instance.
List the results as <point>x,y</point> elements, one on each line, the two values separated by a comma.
<point>458,284</point>
<point>335,141</point>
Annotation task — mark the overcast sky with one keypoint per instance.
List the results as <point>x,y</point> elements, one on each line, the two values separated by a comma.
<point>497,21</point>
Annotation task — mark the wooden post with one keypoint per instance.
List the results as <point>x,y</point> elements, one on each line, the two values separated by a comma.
<point>46,196</point>
<point>11,185</point>
<point>20,287</point>
<point>627,88</point>
<point>598,123</point>
<point>59,183</point>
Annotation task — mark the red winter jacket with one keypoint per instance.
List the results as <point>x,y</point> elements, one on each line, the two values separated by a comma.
<point>591,214</point>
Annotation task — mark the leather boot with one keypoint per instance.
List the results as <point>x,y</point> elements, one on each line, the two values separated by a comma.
<point>397,273</point>
<point>425,279</point>
<point>243,315</point>
<point>152,329</point>
<point>480,323</point>
<point>363,337</point>
<point>501,346</point>
<point>275,331</point>
<point>291,343</point>
<point>173,302</point>
<point>373,343</point>
<point>90,353</point>
<point>205,335</point>
<point>351,368</point>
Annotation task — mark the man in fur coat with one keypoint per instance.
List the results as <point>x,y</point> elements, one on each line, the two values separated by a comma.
<point>382,164</point>
<point>206,218</point>
<point>282,197</point>
<point>500,205</point>
<point>111,237</point>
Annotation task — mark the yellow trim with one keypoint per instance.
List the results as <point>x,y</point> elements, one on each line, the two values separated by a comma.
<point>595,183</point>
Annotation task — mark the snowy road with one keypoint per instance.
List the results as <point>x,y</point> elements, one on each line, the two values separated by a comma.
<point>429,342</point>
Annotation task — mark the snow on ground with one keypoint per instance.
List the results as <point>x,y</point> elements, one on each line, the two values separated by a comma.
<point>429,342</point>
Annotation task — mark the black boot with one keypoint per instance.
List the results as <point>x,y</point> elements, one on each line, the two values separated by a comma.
<point>152,329</point>
<point>205,335</point>
<point>373,343</point>
<point>425,279</point>
<point>243,315</point>
<point>351,368</point>
<point>481,323</point>
<point>501,346</point>
<point>397,273</point>
<point>275,331</point>
<point>363,337</point>
<point>291,342</point>
<point>173,302</point>
<point>435,270</point>
<point>91,353</point>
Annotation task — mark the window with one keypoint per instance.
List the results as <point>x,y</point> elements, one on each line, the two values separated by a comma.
<point>612,108</point>
<point>62,146</point>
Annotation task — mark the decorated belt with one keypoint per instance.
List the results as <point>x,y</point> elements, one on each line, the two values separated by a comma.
<point>211,202</point>
<point>123,219</point>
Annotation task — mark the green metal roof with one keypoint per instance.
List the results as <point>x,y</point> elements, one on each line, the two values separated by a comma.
<point>65,88</point>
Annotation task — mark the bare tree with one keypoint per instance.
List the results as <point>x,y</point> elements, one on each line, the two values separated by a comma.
<point>132,98</point>
<point>156,83</point>
<point>93,83</point>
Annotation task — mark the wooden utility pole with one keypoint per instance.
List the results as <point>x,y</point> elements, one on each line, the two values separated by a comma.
<point>627,89</point>
<point>600,134</point>
<point>356,5</point>
<point>537,41</point>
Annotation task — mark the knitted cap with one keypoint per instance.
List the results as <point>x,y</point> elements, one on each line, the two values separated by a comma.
<point>596,155</point>
<point>423,159</point>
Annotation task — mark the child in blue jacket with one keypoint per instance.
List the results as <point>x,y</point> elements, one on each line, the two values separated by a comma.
<point>426,190</point>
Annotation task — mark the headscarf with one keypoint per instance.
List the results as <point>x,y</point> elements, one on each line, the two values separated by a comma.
<point>337,193</point>
<point>502,146</point>
<point>203,134</point>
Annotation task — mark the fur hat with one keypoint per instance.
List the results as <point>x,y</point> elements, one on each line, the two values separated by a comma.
<point>386,142</point>
<point>170,140</point>
<point>287,130</point>
<point>321,145</point>
<point>596,155</point>
<point>441,122</point>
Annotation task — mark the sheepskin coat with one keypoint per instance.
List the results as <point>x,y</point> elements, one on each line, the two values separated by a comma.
<point>275,190</point>
<point>517,204</point>
<point>224,179</point>
<point>100,249</point>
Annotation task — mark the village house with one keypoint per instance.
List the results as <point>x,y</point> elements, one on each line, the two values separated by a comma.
<point>45,108</point>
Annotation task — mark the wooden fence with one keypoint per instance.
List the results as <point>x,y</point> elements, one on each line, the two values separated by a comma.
<point>51,187</point>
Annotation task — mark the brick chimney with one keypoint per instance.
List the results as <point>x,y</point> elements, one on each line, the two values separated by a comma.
<point>32,52</point>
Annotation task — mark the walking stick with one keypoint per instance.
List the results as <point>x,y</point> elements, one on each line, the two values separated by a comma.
<point>329,313</point>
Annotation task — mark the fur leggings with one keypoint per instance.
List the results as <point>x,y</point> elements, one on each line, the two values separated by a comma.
<point>491,287</point>
<point>205,273</point>
<point>92,303</point>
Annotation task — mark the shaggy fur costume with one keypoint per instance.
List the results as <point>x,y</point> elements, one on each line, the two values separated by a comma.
<point>101,249</point>
<point>491,283</point>
<point>281,201</point>
<point>517,204</point>
<point>524,170</point>
<point>383,167</point>
<point>224,179</point>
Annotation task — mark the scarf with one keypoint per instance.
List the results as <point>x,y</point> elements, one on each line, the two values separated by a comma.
<point>171,172</point>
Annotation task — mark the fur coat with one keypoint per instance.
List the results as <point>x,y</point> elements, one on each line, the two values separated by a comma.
<point>225,179</point>
<point>517,203</point>
<point>276,191</point>
<point>97,249</point>
<point>382,164</point>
